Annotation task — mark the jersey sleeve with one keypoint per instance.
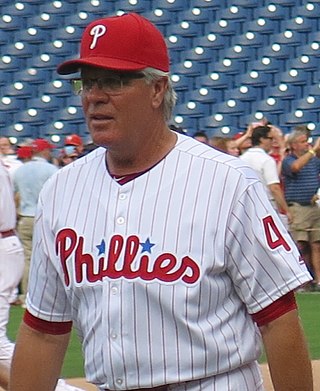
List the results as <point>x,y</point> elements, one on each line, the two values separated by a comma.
<point>47,297</point>
<point>263,261</point>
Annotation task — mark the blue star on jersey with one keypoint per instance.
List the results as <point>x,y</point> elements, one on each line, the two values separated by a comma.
<point>146,246</point>
<point>101,247</point>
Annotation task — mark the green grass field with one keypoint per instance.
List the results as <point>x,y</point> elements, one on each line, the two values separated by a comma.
<point>309,307</point>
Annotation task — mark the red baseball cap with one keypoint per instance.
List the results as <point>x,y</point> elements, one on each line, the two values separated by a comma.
<point>127,43</point>
<point>24,152</point>
<point>40,144</point>
<point>73,139</point>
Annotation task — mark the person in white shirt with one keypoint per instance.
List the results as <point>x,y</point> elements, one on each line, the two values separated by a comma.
<point>258,158</point>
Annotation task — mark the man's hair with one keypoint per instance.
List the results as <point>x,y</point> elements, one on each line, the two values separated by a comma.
<point>293,136</point>
<point>258,133</point>
<point>170,96</point>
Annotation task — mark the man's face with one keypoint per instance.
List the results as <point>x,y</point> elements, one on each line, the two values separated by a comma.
<point>300,145</point>
<point>116,111</point>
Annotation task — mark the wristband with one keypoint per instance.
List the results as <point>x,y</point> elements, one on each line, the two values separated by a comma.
<point>312,151</point>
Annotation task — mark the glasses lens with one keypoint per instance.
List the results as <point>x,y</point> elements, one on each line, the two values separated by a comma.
<point>109,84</point>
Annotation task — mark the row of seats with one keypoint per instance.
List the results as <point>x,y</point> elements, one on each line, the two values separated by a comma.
<point>231,61</point>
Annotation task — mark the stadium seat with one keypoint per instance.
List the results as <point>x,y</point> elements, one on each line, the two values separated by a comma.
<point>271,11</point>
<point>32,34</point>
<point>215,80</point>
<point>206,95</point>
<point>18,49</point>
<point>133,6</point>
<point>11,63</point>
<point>10,104</point>
<point>171,5</point>
<point>211,4</point>
<point>294,76</point>
<point>250,39</point>
<point>46,21</point>
<point>197,15</point>
<point>189,68</point>
<point>309,102</point>
<point>20,89</point>
<point>258,79</point>
<point>244,93</point>
<point>11,22</point>
<point>309,10</point>
<point>268,65</point>
<point>56,87</point>
<point>299,117</point>
<point>20,9</point>
<point>32,116</point>
<point>46,102</point>
<point>283,91</point>
<point>161,17</point>
<point>192,109</point>
<point>184,29</point>
<point>301,24</point>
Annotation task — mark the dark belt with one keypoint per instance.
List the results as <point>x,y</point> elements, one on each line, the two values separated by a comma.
<point>6,234</point>
<point>160,388</point>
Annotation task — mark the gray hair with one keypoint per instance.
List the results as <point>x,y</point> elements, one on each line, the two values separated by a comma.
<point>170,96</point>
<point>293,136</point>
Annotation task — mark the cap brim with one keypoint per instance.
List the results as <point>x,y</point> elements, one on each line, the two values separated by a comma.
<point>73,66</point>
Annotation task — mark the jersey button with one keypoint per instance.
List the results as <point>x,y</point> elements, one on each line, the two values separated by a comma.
<point>114,335</point>
<point>114,290</point>
<point>120,220</point>
<point>122,196</point>
<point>119,381</point>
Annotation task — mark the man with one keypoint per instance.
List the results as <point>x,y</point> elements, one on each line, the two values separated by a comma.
<point>74,144</point>
<point>258,158</point>
<point>300,170</point>
<point>164,253</point>
<point>11,269</point>
<point>28,181</point>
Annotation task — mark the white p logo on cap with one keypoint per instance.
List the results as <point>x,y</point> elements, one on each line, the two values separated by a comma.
<point>97,31</point>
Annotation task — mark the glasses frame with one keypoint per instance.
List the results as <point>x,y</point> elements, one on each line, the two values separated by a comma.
<point>110,84</point>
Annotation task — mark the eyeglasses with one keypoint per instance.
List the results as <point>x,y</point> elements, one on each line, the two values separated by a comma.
<point>112,84</point>
<point>268,138</point>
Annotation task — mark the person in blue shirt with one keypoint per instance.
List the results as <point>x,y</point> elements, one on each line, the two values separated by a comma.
<point>300,171</point>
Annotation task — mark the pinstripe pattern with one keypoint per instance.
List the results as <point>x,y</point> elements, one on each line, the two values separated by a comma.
<point>198,210</point>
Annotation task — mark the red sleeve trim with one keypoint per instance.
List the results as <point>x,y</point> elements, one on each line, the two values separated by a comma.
<point>55,328</point>
<point>278,308</point>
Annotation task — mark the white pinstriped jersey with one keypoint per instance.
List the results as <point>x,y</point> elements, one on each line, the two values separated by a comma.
<point>160,275</point>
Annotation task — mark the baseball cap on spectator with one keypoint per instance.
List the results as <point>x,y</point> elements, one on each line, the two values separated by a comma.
<point>40,144</point>
<point>73,139</point>
<point>24,152</point>
<point>125,43</point>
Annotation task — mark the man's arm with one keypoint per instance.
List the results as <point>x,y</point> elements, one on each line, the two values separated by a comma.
<point>287,353</point>
<point>278,196</point>
<point>37,360</point>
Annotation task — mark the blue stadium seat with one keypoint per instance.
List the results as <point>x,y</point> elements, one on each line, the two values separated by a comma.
<point>231,106</point>
<point>56,7</point>
<point>258,79</point>
<point>97,8</point>
<point>59,48</point>
<point>12,22</point>
<point>192,109</point>
<point>215,80</point>
<point>10,104</point>
<point>160,17</point>
<point>44,60</point>
<point>233,13</point>
<point>274,105</point>
<point>46,21</point>
<point>184,29</point>
<point>197,15</point>
<point>130,6</point>
<point>263,26</point>
<point>19,49</point>
<point>73,114</point>
<point>238,52</point>
<point>268,65</point>
<point>31,116</point>
<point>172,5</point>
<point>244,93</point>
<point>309,10</point>
<point>276,50</point>
<point>81,19</point>
<point>288,37</point>
<point>223,27</point>
<point>246,3</point>
<point>293,119</point>
<point>283,91</point>
<point>314,89</point>
<point>271,11</point>
<point>307,63</point>
<point>211,4</point>
<point>189,68</point>
<point>301,24</point>
<point>11,63</point>
<point>216,122</point>
<point>309,102</point>
<point>46,102</point>
<point>295,77</point>
<point>57,87</point>
<point>69,33</point>
<point>33,75</point>
<point>250,39</point>
<point>33,35</point>
<point>211,40</point>
<point>20,9</point>
<point>199,54</point>
<point>206,95</point>
<point>20,89</point>
<point>182,82</point>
